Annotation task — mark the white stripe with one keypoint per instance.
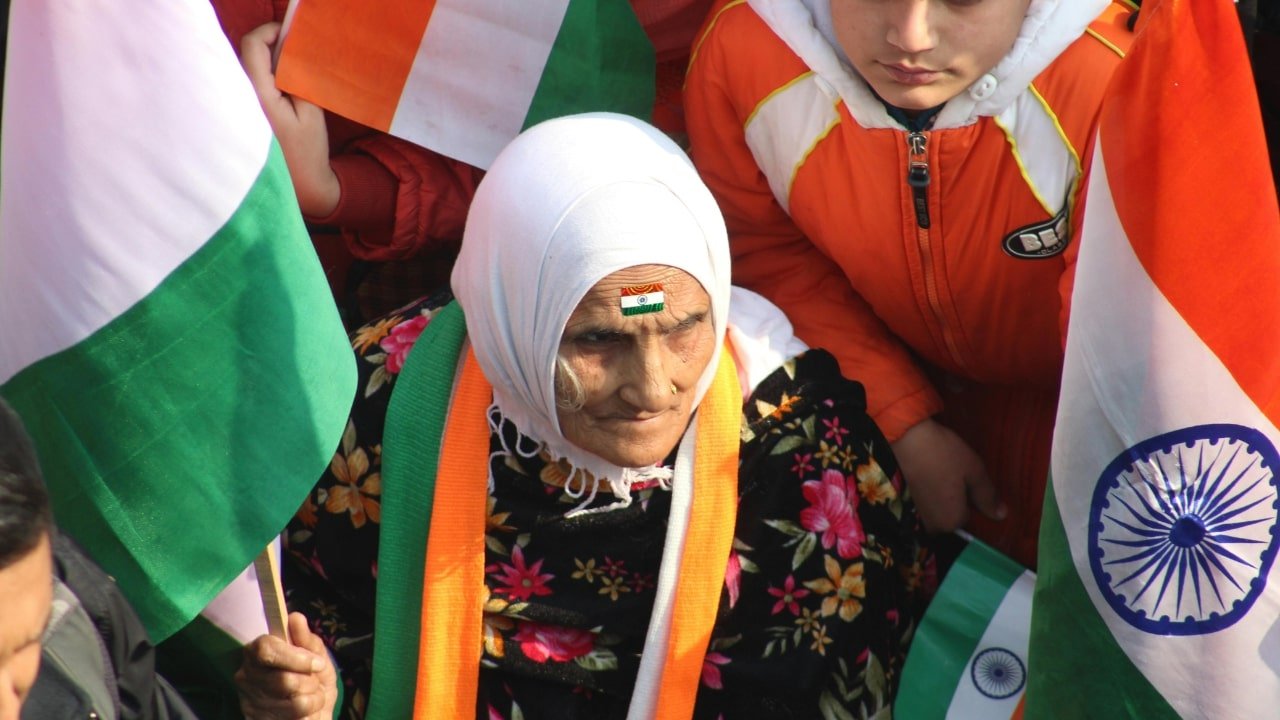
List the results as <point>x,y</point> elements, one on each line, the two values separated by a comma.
<point>785,129</point>
<point>1049,164</point>
<point>1009,631</point>
<point>475,75</point>
<point>644,699</point>
<point>119,160</point>
<point>238,610</point>
<point>635,301</point>
<point>1134,369</point>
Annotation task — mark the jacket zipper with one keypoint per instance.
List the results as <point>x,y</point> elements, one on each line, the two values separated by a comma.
<point>918,176</point>
<point>918,181</point>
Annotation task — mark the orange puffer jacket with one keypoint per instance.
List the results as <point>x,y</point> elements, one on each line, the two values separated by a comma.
<point>936,265</point>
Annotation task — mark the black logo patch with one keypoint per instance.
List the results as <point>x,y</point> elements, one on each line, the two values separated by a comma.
<point>1041,240</point>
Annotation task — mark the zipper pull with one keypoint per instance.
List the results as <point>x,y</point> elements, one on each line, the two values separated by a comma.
<point>918,176</point>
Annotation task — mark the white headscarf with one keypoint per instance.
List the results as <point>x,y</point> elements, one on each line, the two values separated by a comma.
<point>568,202</point>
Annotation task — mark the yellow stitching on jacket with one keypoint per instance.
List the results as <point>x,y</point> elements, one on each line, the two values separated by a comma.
<point>1075,156</point>
<point>777,91</point>
<point>710,26</point>
<point>1098,36</point>
<point>1022,167</point>
<point>804,157</point>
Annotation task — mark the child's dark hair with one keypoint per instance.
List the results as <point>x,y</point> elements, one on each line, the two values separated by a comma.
<point>25,517</point>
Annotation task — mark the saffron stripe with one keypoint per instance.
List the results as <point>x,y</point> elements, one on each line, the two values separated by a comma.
<point>453,591</point>
<point>1180,203</point>
<point>362,77</point>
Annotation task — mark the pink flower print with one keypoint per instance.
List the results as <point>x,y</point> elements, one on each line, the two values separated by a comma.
<point>494,714</point>
<point>802,465</point>
<point>400,341</point>
<point>711,670</point>
<point>613,568</point>
<point>541,643</point>
<point>787,596</point>
<point>521,581</point>
<point>831,513</point>
<point>641,582</point>
<point>834,432</point>
<point>733,577</point>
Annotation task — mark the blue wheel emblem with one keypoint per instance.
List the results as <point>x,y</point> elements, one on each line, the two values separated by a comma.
<point>998,673</point>
<point>1182,528</point>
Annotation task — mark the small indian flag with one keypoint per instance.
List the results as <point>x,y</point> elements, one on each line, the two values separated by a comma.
<point>464,77</point>
<point>968,660</point>
<point>641,299</point>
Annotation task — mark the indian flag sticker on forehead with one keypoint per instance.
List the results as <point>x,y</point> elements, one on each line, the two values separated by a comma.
<point>641,299</point>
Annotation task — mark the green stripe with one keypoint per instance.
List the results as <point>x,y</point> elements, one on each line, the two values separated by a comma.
<point>601,60</point>
<point>954,624</point>
<point>178,439</point>
<point>1080,671</point>
<point>410,454</point>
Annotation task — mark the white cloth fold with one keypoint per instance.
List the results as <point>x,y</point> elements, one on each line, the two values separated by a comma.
<point>620,194</point>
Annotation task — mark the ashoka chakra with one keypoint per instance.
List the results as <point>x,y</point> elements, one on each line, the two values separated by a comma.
<point>1181,530</point>
<point>998,673</point>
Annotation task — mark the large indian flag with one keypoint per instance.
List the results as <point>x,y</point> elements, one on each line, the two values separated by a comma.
<point>168,335</point>
<point>1158,594</point>
<point>464,77</point>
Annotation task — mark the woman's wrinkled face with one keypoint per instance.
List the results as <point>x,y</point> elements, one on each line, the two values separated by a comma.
<point>638,372</point>
<point>918,54</point>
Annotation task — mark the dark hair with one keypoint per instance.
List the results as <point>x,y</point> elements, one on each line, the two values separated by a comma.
<point>25,517</point>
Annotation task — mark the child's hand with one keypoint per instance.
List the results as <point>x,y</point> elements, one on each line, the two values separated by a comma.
<point>945,475</point>
<point>283,681</point>
<point>298,125</point>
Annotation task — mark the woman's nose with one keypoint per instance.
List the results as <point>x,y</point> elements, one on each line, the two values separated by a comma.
<point>910,28</point>
<point>648,387</point>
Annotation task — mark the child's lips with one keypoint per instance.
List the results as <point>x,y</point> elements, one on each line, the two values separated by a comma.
<point>910,75</point>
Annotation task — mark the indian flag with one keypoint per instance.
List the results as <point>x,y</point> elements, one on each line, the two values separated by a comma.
<point>169,338</point>
<point>1158,594</point>
<point>641,299</point>
<point>464,77</point>
<point>968,659</point>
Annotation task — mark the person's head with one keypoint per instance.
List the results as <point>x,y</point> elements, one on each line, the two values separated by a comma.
<point>578,226</point>
<point>26,570</point>
<point>918,54</point>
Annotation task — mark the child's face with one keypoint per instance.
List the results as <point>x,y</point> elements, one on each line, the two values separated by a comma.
<point>917,54</point>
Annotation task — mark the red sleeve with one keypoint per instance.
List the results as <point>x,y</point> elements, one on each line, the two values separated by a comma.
<point>398,198</point>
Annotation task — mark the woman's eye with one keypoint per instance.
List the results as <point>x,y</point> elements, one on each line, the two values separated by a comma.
<point>599,337</point>
<point>688,323</point>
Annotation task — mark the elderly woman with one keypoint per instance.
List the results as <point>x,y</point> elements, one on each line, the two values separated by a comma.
<point>610,531</point>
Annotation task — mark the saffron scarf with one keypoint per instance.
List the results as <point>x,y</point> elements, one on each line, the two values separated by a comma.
<point>453,591</point>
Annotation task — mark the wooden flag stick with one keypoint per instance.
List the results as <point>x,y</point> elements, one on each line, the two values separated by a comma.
<point>272,592</point>
<point>285,24</point>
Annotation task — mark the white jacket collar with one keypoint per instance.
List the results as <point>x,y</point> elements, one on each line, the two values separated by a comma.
<point>1050,26</point>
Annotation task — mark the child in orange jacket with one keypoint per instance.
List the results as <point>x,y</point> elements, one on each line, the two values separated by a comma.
<point>903,178</point>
